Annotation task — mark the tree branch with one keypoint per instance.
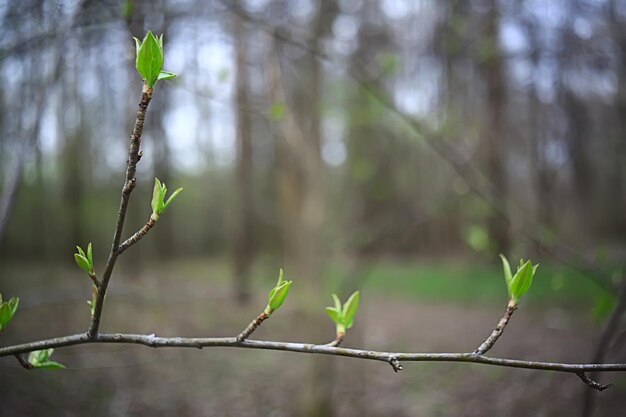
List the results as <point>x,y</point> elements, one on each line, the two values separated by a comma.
<point>252,327</point>
<point>154,341</point>
<point>337,341</point>
<point>497,332</point>
<point>23,362</point>
<point>136,237</point>
<point>129,184</point>
<point>592,383</point>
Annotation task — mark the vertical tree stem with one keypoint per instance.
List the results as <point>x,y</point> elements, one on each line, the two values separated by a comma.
<point>127,188</point>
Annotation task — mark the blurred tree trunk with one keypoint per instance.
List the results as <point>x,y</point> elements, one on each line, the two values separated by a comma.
<point>243,246</point>
<point>300,177</point>
<point>498,226</point>
<point>615,194</point>
<point>75,151</point>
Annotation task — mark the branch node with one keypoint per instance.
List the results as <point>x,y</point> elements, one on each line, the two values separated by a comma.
<point>395,363</point>
<point>128,187</point>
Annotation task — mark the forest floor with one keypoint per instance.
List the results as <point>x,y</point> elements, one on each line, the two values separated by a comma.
<point>405,307</point>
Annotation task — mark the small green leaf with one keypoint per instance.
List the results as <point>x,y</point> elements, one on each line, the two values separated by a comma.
<point>172,197</point>
<point>337,302</point>
<point>80,251</point>
<point>50,365</point>
<point>82,262</point>
<point>137,48</point>
<point>40,359</point>
<point>507,273</point>
<point>522,280</point>
<point>156,202</point>
<point>166,75</point>
<point>281,277</point>
<point>5,315</point>
<point>90,255</point>
<point>7,311</point>
<point>13,304</point>
<point>334,315</point>
<point>350,308</point>
<point>279,296</point>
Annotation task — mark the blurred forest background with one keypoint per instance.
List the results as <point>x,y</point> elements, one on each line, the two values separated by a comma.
<point>394,146</point>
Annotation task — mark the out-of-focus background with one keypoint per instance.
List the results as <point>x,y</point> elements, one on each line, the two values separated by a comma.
<point>396,147</point>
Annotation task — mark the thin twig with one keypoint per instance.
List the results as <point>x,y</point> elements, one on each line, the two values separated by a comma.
<point>593,383</point>
<point>497,332</point>
<point>136,237</point>
<point>337,340</point>
<point>252,327</point>
<point>23,362</point>
<point>129,184</point>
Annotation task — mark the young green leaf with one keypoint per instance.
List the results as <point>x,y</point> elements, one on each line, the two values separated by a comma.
<point>169,200</point>
<point>41,359</point>
<point>334,315</point>
<point>522,281</point>
<point>158,202</point>
<point>279,295</point>
<point>92,303</point>
<point>149,60</point>
<point>343,316</point>
<point>166,75</point>
<point>507,273</point>
<point>157,199</point>
<point>350,308</point>
<point>7,311</point>
<point>337,302</point>
<point>281,277</point>
<point>82,262</point>
<point>50,365</point>
<point>519,283</point>
<point>90,255</point>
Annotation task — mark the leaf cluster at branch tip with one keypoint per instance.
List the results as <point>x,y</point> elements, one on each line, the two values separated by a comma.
<point>159,204</point>
<point>85,260</point>
<point>149,59</point>
<point>277,295</point>
<point>343,316</point>
<point>7,311</point>
<point>41,359</point>
<point>518,284</point>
